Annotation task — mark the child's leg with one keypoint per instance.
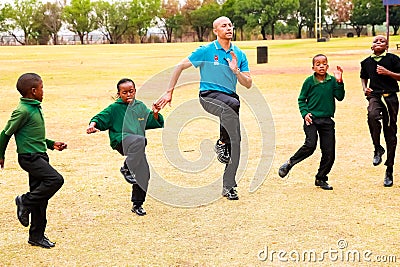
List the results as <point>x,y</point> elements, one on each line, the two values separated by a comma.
<point>309,146</point>
<point>44,182</point>
<point>38,221</point>
<point>375,111</point>
<point>326,131</point>
<point>390,127</point>
<point>134,148</point>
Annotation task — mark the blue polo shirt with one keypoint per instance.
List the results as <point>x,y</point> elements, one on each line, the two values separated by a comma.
<point>215,73</point>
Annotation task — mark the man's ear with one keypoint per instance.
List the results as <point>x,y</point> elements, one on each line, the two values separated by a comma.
<point>215,31</point>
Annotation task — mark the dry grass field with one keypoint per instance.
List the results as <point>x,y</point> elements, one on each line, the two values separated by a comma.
<point>90,217</point>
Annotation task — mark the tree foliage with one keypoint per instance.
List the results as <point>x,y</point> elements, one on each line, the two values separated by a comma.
<point>80,17</point>
<point>142,14</point>
<point>202,18</point>
<point>51,14</point>
<point>112,19</point>
<point>126,20</point>
<point>23,18</point>
<point>170,19</point>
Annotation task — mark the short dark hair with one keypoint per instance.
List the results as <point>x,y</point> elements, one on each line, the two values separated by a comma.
<point>124,80</point>
<point>318,55</point>
<point>28,81</point>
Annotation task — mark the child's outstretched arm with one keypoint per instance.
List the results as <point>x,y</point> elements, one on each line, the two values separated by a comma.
<point>92,128</point>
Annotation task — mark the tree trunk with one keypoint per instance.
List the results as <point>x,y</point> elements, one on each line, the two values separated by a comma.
<point>273,31</point>
<point>299,31</point>
<point>395,29</point>
<point>373,30</point>
<point>263,33</point>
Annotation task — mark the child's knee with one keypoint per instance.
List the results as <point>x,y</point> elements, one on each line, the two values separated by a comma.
<point>59,181</point>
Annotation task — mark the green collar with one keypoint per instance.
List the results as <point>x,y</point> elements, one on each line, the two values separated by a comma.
<point>378,57</point>
<point>30,101</point>
<point>327,78</point>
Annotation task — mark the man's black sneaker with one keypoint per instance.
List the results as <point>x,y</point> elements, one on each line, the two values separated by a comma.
<point>284,169</point>
<point>42,242</point>
<point>130,178</point>
<point>139,210</point>
<point>22,212</point>
<point>323,184</point>
<point>223,153</point>
<point>51,243</point>
<point>388,181</point>
<point>230,194</point>
<point>378,156</point>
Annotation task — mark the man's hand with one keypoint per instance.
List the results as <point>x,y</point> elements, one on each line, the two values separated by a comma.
<point>60,146</point>
<point>233,63</point>
<point>164,100</point>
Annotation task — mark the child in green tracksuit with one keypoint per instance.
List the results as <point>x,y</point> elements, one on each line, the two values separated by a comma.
<point>27,126</point>
<point>317,107</point>
<point>126,121</point>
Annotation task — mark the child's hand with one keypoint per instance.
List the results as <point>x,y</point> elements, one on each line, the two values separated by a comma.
<point>381,70</point>
<point>338,74</point>
<point>60,146</point>
<point>308,119</point>
<point>155,108</point>
<point>92,128</point>
<point>368,91</point>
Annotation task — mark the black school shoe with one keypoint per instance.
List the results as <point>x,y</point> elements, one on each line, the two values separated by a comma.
<point>22,212</point>
<point>378,156</point>
<point>43,242</point>
<point>388,181</point>
<point>284,169</point>
<point>139,210</point>
<point>130,178</point>
<point>323,184</point>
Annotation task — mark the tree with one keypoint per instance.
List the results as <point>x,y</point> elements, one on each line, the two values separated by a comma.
<point>336,13</point>
<point>80,17</point>
<point>238,19</point>
<point>266,13</point>
<point>394,18</point>
<point>52,19</point>
<point>305,16</point>
<point>170,19</point>
<point>23,18</point>
<point>142,14</point>
<point>112,19</point>
<point>358,16</point>
<point>202,18</point>
<point>374,12</point>
<point>4,14</point>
